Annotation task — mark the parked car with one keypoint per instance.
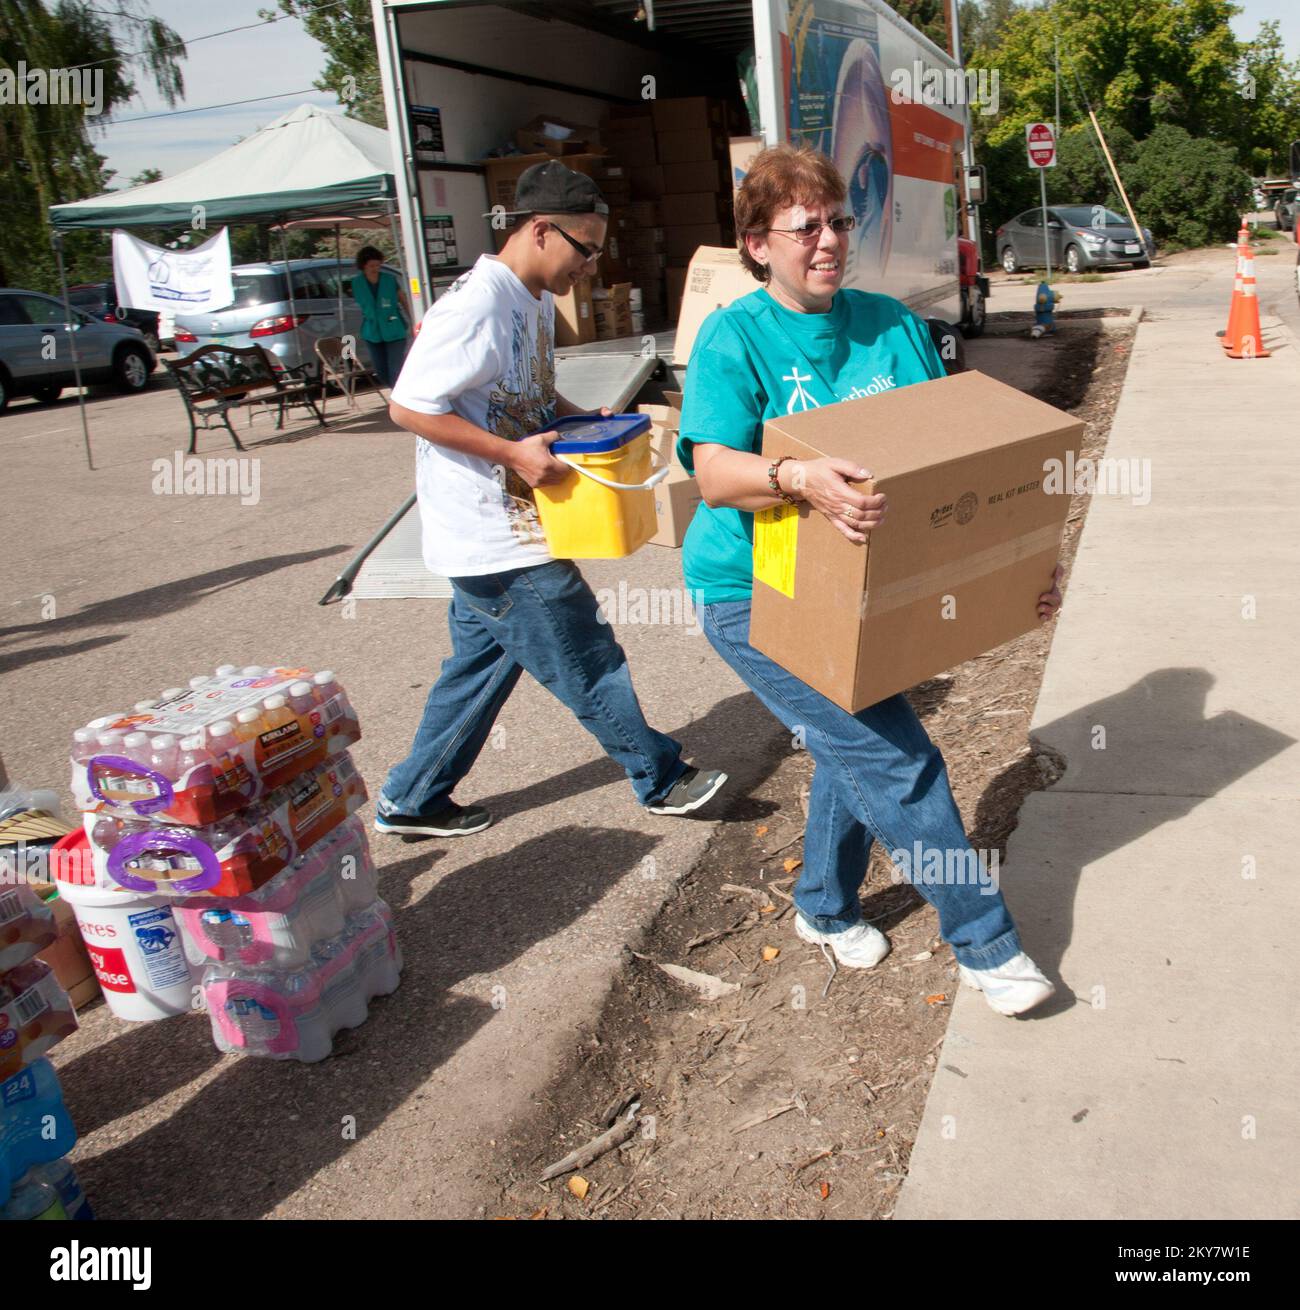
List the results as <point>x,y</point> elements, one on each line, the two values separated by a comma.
<point>263,314</point>
<point>1285,208</point>
<point>100,299</point>
<point>1082,237</point>
<point>36,360</point>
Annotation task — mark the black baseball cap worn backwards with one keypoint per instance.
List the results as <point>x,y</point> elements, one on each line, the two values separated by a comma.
<point>550,188</point>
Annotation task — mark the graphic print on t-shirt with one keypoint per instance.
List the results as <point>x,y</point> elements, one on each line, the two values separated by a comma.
<point>521,403</point>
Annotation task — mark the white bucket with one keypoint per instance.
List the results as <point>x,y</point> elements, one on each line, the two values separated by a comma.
<point>135,947</point>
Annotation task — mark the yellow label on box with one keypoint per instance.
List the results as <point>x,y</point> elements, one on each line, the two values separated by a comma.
<point>776,539</point>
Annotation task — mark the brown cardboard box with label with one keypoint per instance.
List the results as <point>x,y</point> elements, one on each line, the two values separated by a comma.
<point>972,536</point>
<point>575,320</point>
<point>677,496</point>
<point>716,277</point>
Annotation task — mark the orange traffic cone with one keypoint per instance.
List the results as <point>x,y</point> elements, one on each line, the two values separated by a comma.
<point>1225,337</point>
<point>1245,340</point>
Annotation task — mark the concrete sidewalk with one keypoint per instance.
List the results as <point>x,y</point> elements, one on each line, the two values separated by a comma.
<point>1156,881</point>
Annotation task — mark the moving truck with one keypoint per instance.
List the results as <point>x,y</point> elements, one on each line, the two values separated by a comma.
<point>652,99</point>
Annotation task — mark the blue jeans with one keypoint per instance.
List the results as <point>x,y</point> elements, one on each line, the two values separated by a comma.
<point>878,775</point>
<point>544,620</point>
<point>386,357</point>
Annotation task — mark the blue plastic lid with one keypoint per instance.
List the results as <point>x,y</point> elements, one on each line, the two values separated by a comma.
<point>590,434</point>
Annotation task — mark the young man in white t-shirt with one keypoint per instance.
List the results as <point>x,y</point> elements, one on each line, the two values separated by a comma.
<point>478,390</point>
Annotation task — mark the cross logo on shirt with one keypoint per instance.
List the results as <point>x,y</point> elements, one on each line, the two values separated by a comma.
<point>799,395</point>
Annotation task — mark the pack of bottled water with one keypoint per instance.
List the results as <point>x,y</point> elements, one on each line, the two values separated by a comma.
<point>196,754</point>
<point>294,1014</point>
<point>36,1132</point>
<point>277,925</point>
<point>232,804</point>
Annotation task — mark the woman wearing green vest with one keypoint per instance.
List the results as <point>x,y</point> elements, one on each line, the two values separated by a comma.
<point>385,314</point>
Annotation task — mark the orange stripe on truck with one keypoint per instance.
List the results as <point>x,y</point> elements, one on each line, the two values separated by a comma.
<point>927,144</point>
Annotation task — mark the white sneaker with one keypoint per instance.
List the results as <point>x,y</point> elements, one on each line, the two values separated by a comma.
<point>1011,988</point>
<point>858,947</point>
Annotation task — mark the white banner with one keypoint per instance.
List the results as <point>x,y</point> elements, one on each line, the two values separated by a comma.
<point>172,281</point>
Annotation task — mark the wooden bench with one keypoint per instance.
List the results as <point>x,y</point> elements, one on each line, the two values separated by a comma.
<point>216,379</point>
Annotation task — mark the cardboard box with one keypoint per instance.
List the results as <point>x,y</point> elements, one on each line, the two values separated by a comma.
<point>575,322</point>
<point>642,241</point>
<point>632,152</point>
<point>640,213</point>
<point>676,286</point>
<point>682,147</point>
<point>67,957</point>
<point>742,150</point>
<point>549,135</point>
<point>679,209</point>
<point>688,114</point>
<point>677,496</point>
<point>695,175</point>
<point>682,242</point>
<point>971,540</point>
<point>716,277</point>
<point>647,181</point>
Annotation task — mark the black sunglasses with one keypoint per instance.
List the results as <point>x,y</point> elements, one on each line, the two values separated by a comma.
<point>587,252</point>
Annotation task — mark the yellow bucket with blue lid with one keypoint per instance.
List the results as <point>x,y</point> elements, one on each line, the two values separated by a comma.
<point>606,509</point>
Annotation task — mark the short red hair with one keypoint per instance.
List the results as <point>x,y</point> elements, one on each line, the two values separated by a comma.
<point>779,177</point>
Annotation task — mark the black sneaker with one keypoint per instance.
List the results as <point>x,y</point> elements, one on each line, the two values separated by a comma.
<point>451,820</point>
<point>689,792</point>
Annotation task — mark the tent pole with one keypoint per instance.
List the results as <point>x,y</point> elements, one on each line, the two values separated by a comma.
<point>288,277</point>
<point>338,274</point>
<point>56,240</point>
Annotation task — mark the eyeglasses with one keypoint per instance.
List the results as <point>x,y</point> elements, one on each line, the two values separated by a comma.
<point>587,252</point>
<point>807,233</point>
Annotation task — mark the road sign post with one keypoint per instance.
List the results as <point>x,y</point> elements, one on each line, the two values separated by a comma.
<point>1040,143</point>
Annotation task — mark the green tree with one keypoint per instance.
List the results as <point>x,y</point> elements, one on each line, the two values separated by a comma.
<point>1141,65</point>
<point>47,154</point>
<point>1190,191</point>
<point>345,29</point>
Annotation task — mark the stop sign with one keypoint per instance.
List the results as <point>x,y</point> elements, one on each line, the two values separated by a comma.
<point>1041,143</point>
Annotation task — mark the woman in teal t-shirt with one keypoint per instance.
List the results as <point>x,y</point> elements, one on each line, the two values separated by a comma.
<point>382,303</point>
<point>800,342</point>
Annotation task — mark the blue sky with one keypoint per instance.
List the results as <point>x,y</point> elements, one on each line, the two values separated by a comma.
<point>282,57</point>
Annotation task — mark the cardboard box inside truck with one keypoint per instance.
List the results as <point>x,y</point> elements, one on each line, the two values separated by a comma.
<point>715,278</point>
<point>973,533</point>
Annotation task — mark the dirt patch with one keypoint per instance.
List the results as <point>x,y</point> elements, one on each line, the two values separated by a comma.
<point>795,1094</point>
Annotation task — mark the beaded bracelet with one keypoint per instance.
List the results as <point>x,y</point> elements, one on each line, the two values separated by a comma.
<point>774,484</point>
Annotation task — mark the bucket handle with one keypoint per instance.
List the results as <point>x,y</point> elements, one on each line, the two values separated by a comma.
<point>652,481</point>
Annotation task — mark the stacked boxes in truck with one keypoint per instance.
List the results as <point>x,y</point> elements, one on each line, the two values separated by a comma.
<point>656,118</point>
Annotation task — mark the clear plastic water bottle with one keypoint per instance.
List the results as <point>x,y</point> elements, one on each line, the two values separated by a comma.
<point>60,1175</point>
<point>163,755</point>
<point>227,670</point>
<point>33,1199</point>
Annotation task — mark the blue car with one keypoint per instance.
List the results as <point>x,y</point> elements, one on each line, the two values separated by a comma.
<point>36,354</point>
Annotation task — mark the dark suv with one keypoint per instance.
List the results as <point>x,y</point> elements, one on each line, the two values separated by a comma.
<point>99,299</point>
